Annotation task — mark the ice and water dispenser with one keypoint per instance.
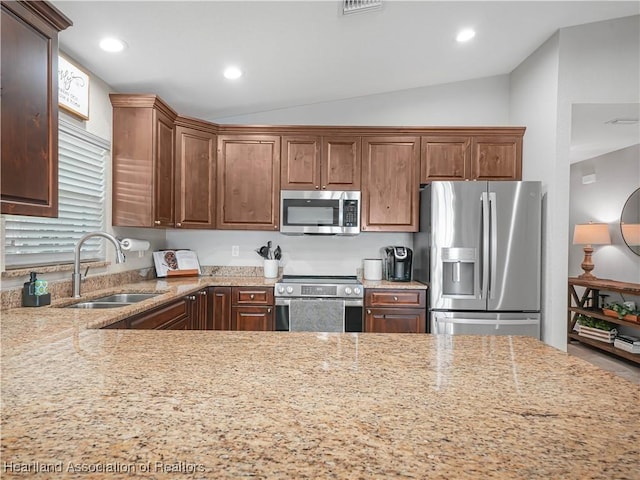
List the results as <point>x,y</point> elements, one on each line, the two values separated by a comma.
<point>459,272</point>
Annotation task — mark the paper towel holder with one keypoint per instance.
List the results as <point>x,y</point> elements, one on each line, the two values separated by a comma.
<point>134,245</point>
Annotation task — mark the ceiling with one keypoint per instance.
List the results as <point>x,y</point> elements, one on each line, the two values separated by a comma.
<point>302,52</point>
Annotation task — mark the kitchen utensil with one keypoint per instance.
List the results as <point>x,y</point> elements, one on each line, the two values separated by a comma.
<point>277,254</point>
<point>263,252</point>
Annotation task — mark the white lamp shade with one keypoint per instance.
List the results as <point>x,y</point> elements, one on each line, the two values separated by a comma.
<point>591,234</point>
<point>631,233</point>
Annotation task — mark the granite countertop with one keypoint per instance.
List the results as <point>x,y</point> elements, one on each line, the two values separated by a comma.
<point>95,403</point>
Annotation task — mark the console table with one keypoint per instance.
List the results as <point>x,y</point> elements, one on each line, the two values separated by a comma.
<point>588,304</point>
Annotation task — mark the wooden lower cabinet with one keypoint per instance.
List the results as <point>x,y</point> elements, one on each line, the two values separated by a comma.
<point>220,308</point>
<point>198,310</point>
<point>395,311</point>
<point>252,309</point>
<point>173,315</point>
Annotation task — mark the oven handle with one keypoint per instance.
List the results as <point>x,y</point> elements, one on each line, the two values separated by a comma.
<point>351,302</point>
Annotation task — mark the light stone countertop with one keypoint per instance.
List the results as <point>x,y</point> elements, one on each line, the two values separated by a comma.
<point>212,404</point>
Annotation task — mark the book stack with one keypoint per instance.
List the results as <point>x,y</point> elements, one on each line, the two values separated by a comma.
<point>627,343</point>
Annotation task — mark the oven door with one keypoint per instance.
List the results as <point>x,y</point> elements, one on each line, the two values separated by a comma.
<point>353,311</point>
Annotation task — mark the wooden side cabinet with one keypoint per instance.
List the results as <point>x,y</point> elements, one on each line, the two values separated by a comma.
<point>220,308</point>
<point>29,132</point>
<point>195,174</point>
<point>143,160</point>
<point>248,182</point>
<point>390,184</point>
<point>252,309</point>
<point>588,303</point>
<point>395,311</point>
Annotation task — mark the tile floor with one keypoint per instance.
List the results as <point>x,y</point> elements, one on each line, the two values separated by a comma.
<point>618,366</point>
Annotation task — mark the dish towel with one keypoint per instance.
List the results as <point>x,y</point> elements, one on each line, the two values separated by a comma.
<point>317,315</point>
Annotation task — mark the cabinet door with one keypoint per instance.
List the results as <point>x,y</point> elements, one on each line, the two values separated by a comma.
<point>248,182</point>
<point>29,127</point>
<point>220,308</point>
<point>497,158</point>
<point>164,199</point>
<point>252,318</point>
<point>395,320</point>
<point>341,163</point>
<point>199,310</point>
<point>162,316</point>
<point>445,158</point>
<point>195,178</point>
<point>390,184</point>
<point>300,163</point>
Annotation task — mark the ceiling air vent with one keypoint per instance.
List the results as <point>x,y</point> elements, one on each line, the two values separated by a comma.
<point>355,6</point>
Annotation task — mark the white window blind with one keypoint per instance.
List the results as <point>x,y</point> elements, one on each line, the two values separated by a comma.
<point>81,190</point>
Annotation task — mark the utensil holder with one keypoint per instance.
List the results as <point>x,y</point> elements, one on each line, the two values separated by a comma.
<point>270,268</point>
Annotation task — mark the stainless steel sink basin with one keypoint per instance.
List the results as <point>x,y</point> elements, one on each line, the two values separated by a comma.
<point>114,301</point>
<point>98,305</point>
<point>126,297</point>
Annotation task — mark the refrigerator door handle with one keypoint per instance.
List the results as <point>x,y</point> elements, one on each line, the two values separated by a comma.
<point>484,200</point>
<point>494,244</point>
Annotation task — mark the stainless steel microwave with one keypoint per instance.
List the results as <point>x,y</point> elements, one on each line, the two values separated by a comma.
<point>319,212</point>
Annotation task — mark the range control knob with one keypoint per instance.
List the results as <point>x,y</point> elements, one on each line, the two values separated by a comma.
<point>289,290</point>
<point>357,290</point>
<point>347,290</point>
<point>280,289</point>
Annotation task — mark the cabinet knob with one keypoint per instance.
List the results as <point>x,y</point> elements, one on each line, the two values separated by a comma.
<point>191,297</point>
<point>395,299</point>
<point>317,187</point>
<point>252,296</point>
<point>324,187</point>
<point>268,310</point>
<point>275,227</point>
<point>368,312</point>
<point>203,293</point>
<point>178,225</point>
<point>157,222</point>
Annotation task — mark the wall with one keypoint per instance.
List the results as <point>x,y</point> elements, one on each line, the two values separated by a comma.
<point>617,176</point>
<point>482,101</point>
<point>593,63</point>
<point>533,97</point>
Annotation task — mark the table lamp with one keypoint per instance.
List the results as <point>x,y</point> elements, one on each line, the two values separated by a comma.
<point>590,234</point>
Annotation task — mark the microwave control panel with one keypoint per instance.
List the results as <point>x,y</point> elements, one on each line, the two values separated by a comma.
<point>350,213</point>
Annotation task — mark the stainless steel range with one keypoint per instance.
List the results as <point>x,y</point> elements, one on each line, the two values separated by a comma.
<point>318,303</point>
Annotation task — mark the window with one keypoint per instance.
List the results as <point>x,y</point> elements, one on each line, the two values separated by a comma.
<point>81,184</point>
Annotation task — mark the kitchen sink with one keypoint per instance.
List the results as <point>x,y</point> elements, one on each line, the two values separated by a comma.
<point>98,305</point>
<point>114,301</point>
<point>126,297</point>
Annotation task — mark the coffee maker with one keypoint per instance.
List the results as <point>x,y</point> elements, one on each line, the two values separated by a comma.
<point>397,263</point>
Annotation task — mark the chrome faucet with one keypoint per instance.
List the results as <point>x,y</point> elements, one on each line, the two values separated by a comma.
<point>76,278</point>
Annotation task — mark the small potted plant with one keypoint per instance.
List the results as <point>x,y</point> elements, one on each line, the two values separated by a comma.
<point>596,329</point>
<point>622,311</point>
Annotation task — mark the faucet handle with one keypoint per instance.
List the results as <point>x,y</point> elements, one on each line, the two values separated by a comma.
<point>85,274</point>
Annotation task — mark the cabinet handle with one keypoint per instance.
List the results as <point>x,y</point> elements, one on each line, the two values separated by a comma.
<point>268,310</point>
<point>178,225</point>
<point>368,312</point>
<point>252,296</point>
<point>191,297</point>
<point>203,293</point>
<point>157,222</point>
<point>395,299</point>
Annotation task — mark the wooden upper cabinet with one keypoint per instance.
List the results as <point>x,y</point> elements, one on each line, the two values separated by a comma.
<point>300,163</point>
<point>248,183</point>
<point>390,184</point>
<point>445,158</point>
<point>320,163</point>
<point>195,174</point>
<point>497,158</point>
<point>29,132</point>
<point>142,153</point>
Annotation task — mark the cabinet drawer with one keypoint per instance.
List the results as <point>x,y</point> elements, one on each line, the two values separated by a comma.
<point>396,298</point>
<point>395,320</point>
<point>161,317</point>
<point>252,296</point>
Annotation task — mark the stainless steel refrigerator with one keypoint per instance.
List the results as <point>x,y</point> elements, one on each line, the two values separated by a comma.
<point>479,249</point>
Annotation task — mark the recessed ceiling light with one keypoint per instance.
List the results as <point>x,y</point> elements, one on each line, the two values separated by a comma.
<point>465,35</point>
<point>232,73</point>
<point>111,44</point>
